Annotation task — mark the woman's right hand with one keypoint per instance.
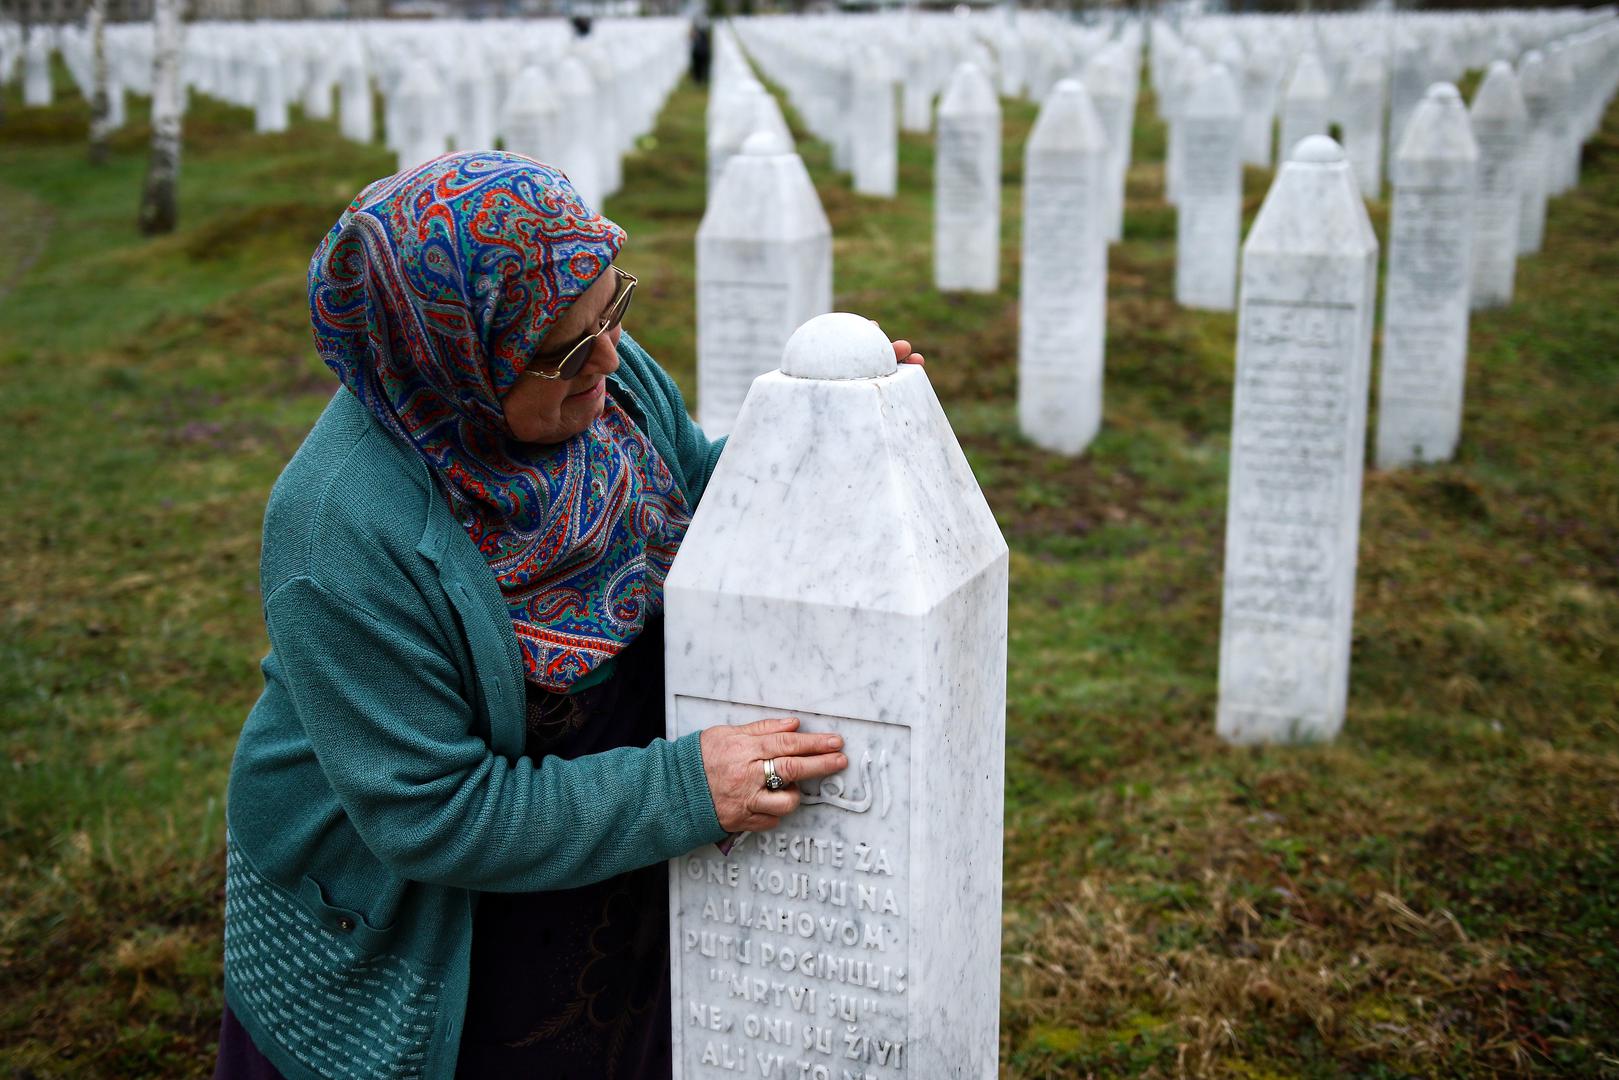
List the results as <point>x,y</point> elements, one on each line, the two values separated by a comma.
<point>734,757</point>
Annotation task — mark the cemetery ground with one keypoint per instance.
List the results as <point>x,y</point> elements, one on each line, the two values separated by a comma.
<point>1436,894</point>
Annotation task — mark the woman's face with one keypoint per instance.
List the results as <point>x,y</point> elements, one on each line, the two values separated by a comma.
<point>554,410</point>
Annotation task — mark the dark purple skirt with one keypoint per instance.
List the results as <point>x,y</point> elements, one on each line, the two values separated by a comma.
<point>572,984</point>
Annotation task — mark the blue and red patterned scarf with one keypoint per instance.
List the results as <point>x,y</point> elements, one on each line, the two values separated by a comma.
<point>428,298</point>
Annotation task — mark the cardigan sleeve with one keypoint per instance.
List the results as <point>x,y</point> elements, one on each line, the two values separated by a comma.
<point>382,706</point>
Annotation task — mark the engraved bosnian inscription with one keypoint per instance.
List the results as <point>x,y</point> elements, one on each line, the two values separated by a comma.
<point>1427,299</point>
<point>1289,457</point>
<point>745,324</point>
<point>793,951</point>
<point>1208,158</point>
<point>1061,219</point>
<point>962,179</point>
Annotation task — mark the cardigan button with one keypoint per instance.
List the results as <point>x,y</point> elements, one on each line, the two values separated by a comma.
<point>345,924</point>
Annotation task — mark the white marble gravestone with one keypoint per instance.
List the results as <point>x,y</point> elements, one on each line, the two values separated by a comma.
<point>843,568</point>
<point>320,74</point>
<point>764,266</point>
<point>1189,72</point>
<point>473,108</point>
<point>1563,164</point>
<point>1062,305</point>
<point>270,93</point>
<point>874,127</point>
<point>1304,335</point>
<point>422,121</point>
<point>1430,271</point>
<point>1304,103</point>
<point>36,80</point>
<point>579,152</point>
<point>1208,215</point>
<point>967,185</point>
<point>1108,82</point>
<point>355,107</point>
<point>1408,79</point>
<point>1500,126</point>
<point>531,116</point>
<point>1362,120</point>
<point>916,89</point>
<point>1535,83</point>
<point>736,113</point>
<point>1258,107</point>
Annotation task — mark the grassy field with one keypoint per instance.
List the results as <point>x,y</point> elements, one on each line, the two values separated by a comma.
<point>1436,894</point>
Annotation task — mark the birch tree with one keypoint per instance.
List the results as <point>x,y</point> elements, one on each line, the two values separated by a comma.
<point>100,103</point>
<point>158,202</point>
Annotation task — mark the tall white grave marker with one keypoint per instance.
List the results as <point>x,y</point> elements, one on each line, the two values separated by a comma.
<point>1107,80</point>
<point>967,185</point>
<point>862,937</point>
<point>874,140</point>
<point>1063,305</point>
<point>1305,103</point>
<point>423,122</point>
<point>764,266</point>
<point>1304,338</point>
<point>1189,72</point>
<point>1538,97</point>
<point>1209,205</point>
<point>1563,169</point>
<point>1258,107</point>
<point>579,152</point>
<point>355,108</point>
<point>531,119</point>
<point>1500,126</point>
<point>317,92</point>
<point>1408,79</point>
<point>1425,301</point>
<point>270,100</point>
<point>1362,121</point>
<point>916,90</point>
<point>36,80</point>
<point>473,111</point>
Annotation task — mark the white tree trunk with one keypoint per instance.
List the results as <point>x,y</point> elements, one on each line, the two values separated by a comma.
<point>158,204</point>
<point>100,102</point>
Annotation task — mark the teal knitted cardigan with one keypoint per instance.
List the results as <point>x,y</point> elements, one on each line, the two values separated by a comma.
<point>379,783</point>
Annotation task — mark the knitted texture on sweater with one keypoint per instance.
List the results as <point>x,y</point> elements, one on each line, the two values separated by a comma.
<point>380,781</point>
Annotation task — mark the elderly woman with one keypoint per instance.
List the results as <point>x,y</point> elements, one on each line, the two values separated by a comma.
<point>449,808</point>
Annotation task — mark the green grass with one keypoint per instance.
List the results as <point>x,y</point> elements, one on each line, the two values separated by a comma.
<point>1436,894</point>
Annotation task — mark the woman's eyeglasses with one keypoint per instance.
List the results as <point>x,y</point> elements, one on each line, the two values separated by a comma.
<point>579,351</point>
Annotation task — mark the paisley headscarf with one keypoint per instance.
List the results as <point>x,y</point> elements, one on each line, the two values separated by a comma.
<point>428,298</point>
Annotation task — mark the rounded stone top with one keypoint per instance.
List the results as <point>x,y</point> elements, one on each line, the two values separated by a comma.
<point>1443,91</point>
<point>1067,86</point>
<point>838,345</point>
<point>1318,150</point>
<point>764,144</point>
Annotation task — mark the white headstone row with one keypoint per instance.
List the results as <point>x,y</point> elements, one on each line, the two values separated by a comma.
<point>578,103</point>
<point>1367,72</point>
<point>1299,413</point>
<point>821,61</point>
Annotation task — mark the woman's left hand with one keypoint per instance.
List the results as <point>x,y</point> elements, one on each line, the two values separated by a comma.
<point>903,353</point>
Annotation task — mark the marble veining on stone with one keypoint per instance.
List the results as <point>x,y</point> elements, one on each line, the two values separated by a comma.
<point>844,568</point>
